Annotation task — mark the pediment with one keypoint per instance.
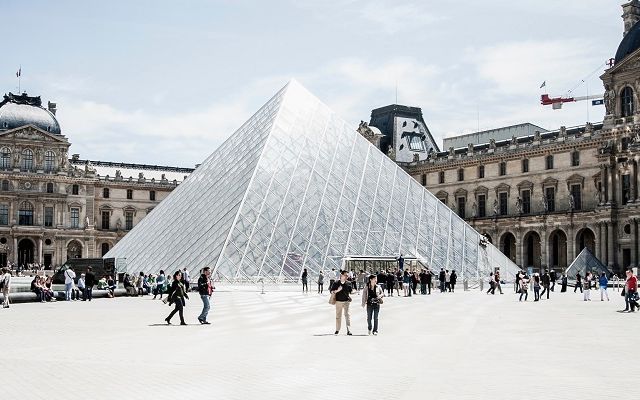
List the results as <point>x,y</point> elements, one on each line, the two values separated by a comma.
<point>33,133</point>
<point>525,185</point>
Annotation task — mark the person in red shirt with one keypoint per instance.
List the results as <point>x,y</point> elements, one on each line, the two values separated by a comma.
<point>631,289</point>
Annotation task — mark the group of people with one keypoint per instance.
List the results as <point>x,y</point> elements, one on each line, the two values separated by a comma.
<point>178,293</point>
<point>156,284</point>
<point>372,298</point>
<point>390,280</point>
<point>77,287</point>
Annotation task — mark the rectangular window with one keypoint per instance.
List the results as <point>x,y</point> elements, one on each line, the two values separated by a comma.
<point>25,217</point>
<point>424,179</point>
<point>482,206</point>
<point>577,197</point>
<point>526,202</point>
<point>75,217</point>
<point>460,175</point>
<point>461,206</point>
<point>152,195</point>
<point>626,189</point>
<point>105,220</point>
<point>549,162</point>
<point>6,159</point>
<point>504,209</point>
<point>503,168</point>
<point>525,165</point>
<point>4,214</point>
<point>5,185</point>
<point>48,216</point>
<point>575,159</point>
<point>550,194</point>
<point>128,221</point>
<point>74,189</point>
<point>129,194</point>
<point>441,176</point>
<point>481,172</point>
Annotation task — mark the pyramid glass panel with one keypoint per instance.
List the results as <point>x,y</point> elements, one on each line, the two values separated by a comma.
<point>305,190</point>
<point>586,262</point>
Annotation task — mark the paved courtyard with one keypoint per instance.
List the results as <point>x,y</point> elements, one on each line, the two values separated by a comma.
<point>280,345</point>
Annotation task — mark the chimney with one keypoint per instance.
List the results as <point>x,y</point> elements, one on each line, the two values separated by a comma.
<point>630,15</point>
<point>52,108</point>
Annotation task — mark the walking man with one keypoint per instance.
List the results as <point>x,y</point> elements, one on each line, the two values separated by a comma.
<point>604,283</point>
<point>546,284</point>
<point>205,288</point>
<point>69,276</point>
<point>631,288</point>
<point>442,278</point>
<point>89,281</point>
<point>342,289</point>
<point>554,277</point>
<point>186,279</point>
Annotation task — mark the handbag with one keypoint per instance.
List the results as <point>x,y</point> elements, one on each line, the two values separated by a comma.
<point>332,299</point>
<point>624,292</point>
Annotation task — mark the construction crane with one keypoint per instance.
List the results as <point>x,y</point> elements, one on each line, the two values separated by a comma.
<point>557,102</point>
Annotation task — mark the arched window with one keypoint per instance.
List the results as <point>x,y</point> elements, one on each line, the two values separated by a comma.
<point>27,160</point>
<point>626,102</point>
<point>49,187</point>
<point>49,161</point>
<point>25,214</point>
<point>5,158</point>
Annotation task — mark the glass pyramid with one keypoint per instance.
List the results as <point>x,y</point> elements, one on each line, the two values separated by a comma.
<point>586,262</point>
<point>296,187</point>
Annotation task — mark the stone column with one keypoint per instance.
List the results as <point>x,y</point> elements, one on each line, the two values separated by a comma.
<point>637,178</point>
<point>603,243</point>
<point>15,249</point>
<point>634,243</point>
<point>610,248</point>
<point>603,184</point>
<point>39,250</point>
<point>519,252</point>
<point>612,185</point>
<point>598,232</point>
<point>632,183</point>
<point>571,245</point>
<point>544,262</point>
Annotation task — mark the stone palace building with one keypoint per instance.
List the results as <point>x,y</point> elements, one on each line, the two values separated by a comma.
<point>541,196</point>
<point>53,207</point>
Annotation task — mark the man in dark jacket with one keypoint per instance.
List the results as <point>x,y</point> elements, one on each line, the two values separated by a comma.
<point>452,281</point>
<point>429,279</point>
<point>90,281</point>
<point>423,282</point>
<point>546,283</point>
<point>391,280</point>
<point>205,289</point>
<point>442,277</point>
<point>554,277</point>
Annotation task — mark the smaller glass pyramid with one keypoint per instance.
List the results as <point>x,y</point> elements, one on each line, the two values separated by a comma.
<point>586,262</point>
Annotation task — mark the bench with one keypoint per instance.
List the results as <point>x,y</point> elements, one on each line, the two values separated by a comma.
<point>26,297</point>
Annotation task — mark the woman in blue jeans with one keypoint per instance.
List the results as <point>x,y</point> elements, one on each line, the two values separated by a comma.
<point>372,298</point>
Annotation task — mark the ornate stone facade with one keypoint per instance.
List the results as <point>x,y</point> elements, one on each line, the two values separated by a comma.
<point>53,208</point>
<point>544,197</point>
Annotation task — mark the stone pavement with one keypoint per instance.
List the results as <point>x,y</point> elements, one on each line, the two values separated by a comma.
<point>280,345</point>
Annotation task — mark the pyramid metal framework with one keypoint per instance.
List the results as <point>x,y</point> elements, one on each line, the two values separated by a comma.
<point>296,187</point>
<point>586,261</point>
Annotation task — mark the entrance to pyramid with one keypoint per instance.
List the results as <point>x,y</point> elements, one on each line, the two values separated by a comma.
<point>374,265</point>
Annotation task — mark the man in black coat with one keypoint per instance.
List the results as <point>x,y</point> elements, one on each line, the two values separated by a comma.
<point>89,281</point>
<point>546,283</point>
<point>429,279</point>
<point>442,278</point>
<point>391,279</point>
<point>554,278</point>
<point>423,282</point>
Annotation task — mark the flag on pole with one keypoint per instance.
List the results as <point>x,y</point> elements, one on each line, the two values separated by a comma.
<point>598,102</point>
<point>19,72</point>
<point>543,84</point>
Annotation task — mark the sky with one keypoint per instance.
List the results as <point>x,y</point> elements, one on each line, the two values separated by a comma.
<point>165,82</point>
